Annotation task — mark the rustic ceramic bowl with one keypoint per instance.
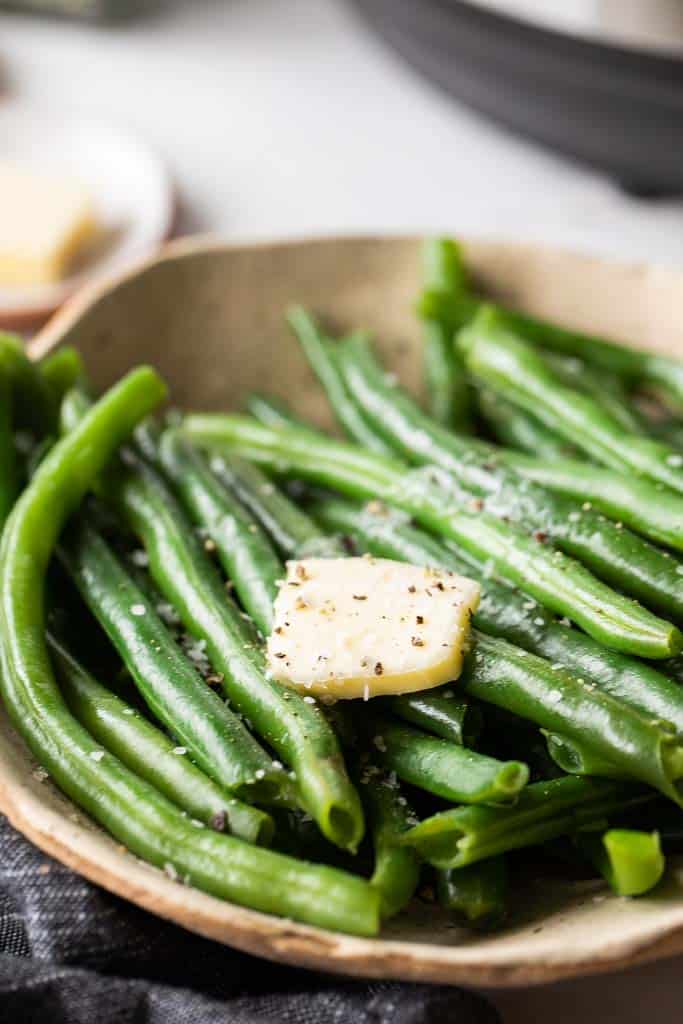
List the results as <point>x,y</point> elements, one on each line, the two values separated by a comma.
<point>210,317</point>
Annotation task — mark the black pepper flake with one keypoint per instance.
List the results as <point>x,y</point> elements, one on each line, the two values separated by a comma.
<point>278,630</point>
<point>440,586</point>
<point>279,654</point>
<point>379,668</point>
<point>293,583</point>
<point>219,821</point>
<point>348,543</point>
<point>419,619</point>
<point>417,641</point>
<point>540,536</point>
<point>360,597</point>
<point>411,589</point>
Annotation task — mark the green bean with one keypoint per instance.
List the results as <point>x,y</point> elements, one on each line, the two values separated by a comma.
<point>397,868</point>
<point>9,469</point>
<point>632,364</point>
<point>445,769</point>
<point>507,363</point>
<point>274,412</point>
<point>477,893</point>
<point>132,810</point>
<point>560,583</point>
<point>297,730</point>
<point>669,430</point>
<point>648,508</point>
<point>507,613</point>
<point>243,549</point>
<point>545,810</point>
<point>517,428</point>
<point>321,359</point>
<point>620,557</point>
<point>577,758</point>
<point>151,755</point>
<point>442,712</point>
<point>291,530</point>
<point>63,370</point>
<point>32,400</point>
<point>445,380</point>
<point>631,862</point>
<point>170,686</point>
<point>645,749</point>
<point>607,390</point>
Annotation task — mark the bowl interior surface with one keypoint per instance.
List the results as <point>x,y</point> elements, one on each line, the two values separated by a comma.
<point>210,318</point>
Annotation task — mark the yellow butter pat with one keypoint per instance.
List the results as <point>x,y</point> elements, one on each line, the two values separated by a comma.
<point>45,223</point>
<point>366,627</point>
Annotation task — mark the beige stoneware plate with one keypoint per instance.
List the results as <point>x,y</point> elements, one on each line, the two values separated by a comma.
<point>210,317</point>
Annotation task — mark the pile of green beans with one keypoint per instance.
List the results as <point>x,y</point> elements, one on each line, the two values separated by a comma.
<point>615,554</point>
<point>562,584</point>
<point>541,467</point>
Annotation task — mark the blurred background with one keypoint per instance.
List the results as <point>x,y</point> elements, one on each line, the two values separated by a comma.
<point>560,121</point>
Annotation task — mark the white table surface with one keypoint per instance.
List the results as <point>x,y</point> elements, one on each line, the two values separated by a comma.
<point>286,117</point>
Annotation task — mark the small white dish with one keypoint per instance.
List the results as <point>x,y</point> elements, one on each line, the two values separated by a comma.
<point>129,184</point>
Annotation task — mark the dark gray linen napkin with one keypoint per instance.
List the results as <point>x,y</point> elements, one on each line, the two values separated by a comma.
<point>71,953</point>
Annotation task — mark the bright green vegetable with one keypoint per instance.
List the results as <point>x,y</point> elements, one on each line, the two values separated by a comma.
<point>33,403</point>
<point>477,893</point>
<point>560,583</point>
<point>445,769</point>
<point>577,758</point>
<point>443,712</point>
<point>63,370</point>
<point>642,748</point>
<point>507,363</point>
<point>517,428</point>
<point>631,364</point>
<point>151,755</point>
<point>397,868</point>
<point>631,862</point>
<point>669,430</point>
<point>244,551</point>
<point>608,391</point>
<point>648,508</point>
<point>320,356</point>
<point>9,470</point>
<point>274,412</point>
<point>170,686</point>
<point>295,729</point>
<point>507,613</point>
<point>132,810</point>
<point>616,555</point>
<point>446,384</point>
<point>291,530</point>
<point>545,810</point>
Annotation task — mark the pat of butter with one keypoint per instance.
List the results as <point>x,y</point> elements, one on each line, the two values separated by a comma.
<point>364,627</point>
<point>44,224</point>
